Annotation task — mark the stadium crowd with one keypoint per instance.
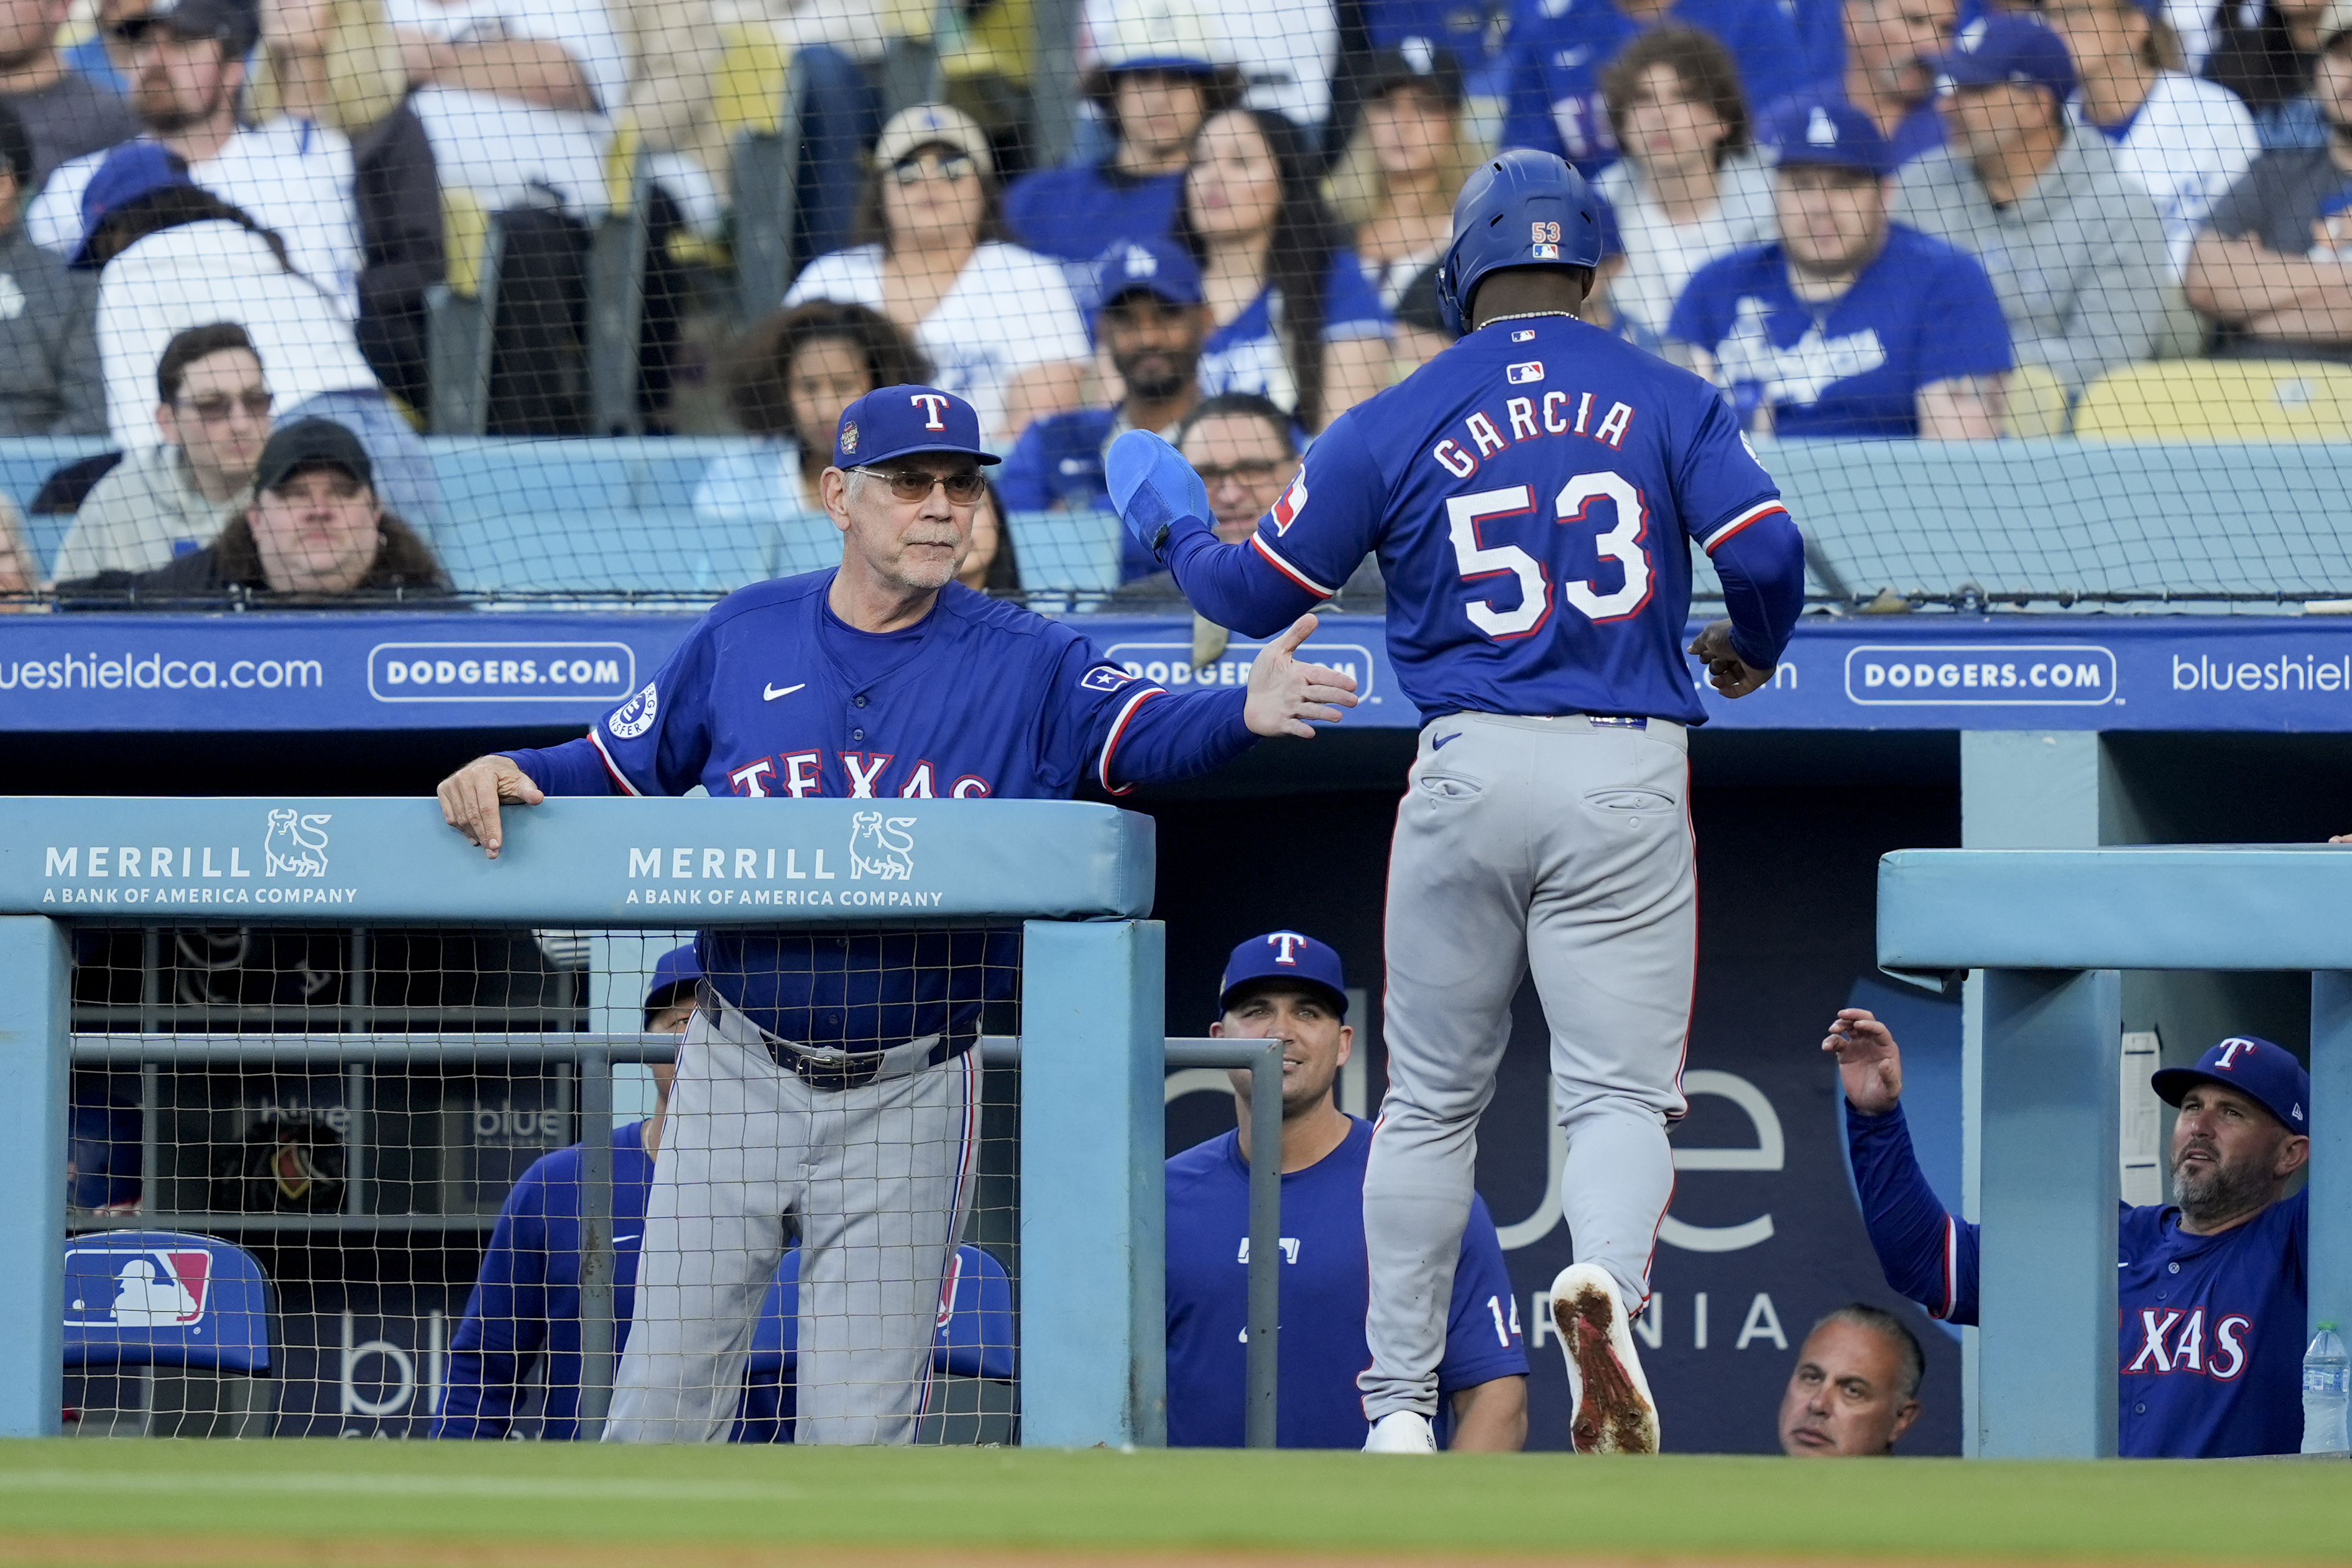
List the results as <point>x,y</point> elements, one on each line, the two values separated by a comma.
<point>1942,218</point>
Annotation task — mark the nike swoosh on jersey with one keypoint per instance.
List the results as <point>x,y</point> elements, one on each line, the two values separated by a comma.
<point>772,692</point>
<point>1443,741</point>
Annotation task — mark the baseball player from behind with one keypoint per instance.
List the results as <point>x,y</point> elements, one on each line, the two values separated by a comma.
<point>831,1077</point>
<point>1534,493</point>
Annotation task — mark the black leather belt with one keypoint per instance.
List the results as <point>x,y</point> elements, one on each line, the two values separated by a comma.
<point>834,1074</point>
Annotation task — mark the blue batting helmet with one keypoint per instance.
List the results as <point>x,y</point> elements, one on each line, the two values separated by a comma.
<point>1524,208</point>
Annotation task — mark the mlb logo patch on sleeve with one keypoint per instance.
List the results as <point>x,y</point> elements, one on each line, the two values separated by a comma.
<point>1525,372</point>
<point>1292,502</point>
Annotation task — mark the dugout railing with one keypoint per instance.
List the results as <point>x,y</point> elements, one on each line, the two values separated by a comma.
<point>2053,930</point>
<point>1078,878</point>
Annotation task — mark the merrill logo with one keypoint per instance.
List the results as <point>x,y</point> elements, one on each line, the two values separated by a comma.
<point>296,848</point>
<point>892,851</point>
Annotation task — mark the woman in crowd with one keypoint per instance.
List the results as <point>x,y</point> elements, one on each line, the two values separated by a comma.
<point>1397,181</point>
<point>336,63</point>
<point>171,255</point>
<point>2265,52</point>
<point>1295,322</point>
<point>998,322</point>
<point>789,379</point>
<point>1690,187</point>
<point>2185,141</point>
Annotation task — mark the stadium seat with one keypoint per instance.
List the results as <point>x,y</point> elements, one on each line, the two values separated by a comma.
<point>2037,404</point>
<point>975,1335</point>
<point>193,1305</point>
<point>2219,400</point>
<point>1075,553</point>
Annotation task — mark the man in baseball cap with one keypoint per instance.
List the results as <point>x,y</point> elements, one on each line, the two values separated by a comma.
<point>2211,1286</point>
<point>2074,246</point>
<point>903,485</point>
<point>1148,314</point>
<point>1286,985</point>
<point>1852,324</point>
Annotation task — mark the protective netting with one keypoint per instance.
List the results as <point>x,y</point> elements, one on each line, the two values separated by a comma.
<point>594,280</point>
<point>332,1183</point>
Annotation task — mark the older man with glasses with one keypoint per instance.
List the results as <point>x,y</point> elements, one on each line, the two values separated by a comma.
<point>213,409</point>
<point>831,1077</point>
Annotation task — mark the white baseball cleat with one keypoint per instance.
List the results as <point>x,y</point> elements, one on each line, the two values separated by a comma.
<point>1613,1411</point>
<point>1401,1432</point>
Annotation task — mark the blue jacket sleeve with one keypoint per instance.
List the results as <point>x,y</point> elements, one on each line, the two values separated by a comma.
<point>505,1327</point>
<point>575,767</point>
<point>1483,1340</point>
<point>1763,570</point>
<point>1173,736</point>
<point>1928,1255</point>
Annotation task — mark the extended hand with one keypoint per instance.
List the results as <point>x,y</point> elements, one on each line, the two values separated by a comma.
<point>1284,694</point>
<point>1870,1065</point>
<point>1726,670</point>
<point>471,796</point>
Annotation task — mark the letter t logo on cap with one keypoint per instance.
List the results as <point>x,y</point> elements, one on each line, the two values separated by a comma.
<point>933,405</point>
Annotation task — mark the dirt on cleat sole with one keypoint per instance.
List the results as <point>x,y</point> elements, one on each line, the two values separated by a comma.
<point>1612,1417</point>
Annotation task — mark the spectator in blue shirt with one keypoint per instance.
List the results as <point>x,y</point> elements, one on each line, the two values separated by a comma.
<point>1884,70</point>
<point>1557,53</point>
<point>1849,324</point>
<point>524,1313</point>
<point>1288,987</point>
<point>1156,79</point>
<point>1295,320</point>
<point>1152,323</point>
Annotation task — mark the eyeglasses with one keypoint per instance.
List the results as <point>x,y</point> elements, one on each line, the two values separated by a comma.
<point>932,166</point>
<point>915,484</point>
<point>1250,471</point>
<point>214,408</point>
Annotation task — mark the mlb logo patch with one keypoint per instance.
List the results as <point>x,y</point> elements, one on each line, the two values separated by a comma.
<point>1545,252</point>
<point>1293,502</point>
<point>1105,677</point>
<point>1525,372</point>
<point>136,1287</point>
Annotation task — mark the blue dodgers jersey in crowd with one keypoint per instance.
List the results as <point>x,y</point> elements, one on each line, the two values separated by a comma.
<point>1558,49</point>
<point>1074,213</point>
<point>770,695</point>
<point>1246,355</point>
<point>525,1305</point>
<point>2212,1327</point>
<point>1325,1285</point>
<point>1923,311</point>
<point>1533,492</point>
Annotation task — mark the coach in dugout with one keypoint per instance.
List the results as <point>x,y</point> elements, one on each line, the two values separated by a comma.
<point>524,1313</point>
<point>830,1077</point>
<point>1288,987</point>
<point>2211,1286</point>
<point>1854,1390</point>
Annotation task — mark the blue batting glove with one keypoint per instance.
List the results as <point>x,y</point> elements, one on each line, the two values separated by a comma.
<point>1155,490</point>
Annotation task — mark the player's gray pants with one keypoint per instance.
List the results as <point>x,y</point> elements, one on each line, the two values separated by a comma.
<point>1558,847</point>
<point>879,1177</point>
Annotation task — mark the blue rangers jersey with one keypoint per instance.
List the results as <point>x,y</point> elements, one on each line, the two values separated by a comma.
<point>1534,493</point>
<point>2211,1336</point>
<point>771,695</point>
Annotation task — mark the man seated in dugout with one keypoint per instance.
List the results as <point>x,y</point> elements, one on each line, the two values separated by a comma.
<point>314,535</point>
<point>1854,1390</point>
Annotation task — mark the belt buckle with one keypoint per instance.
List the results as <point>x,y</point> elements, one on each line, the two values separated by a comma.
<point>830,1077</point>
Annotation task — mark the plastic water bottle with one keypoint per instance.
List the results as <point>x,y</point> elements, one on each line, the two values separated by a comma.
<point>2326,1394</point>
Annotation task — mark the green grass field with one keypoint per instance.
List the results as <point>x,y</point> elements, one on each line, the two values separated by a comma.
<point>93,1502</point>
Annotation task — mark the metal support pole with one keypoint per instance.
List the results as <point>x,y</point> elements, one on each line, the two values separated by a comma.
<point>1261,1371</point>
<point>2047,1364</point>
<point>36,1004</point>
<point>2331,1150</point>
<point>356,1106</point>
<point>595,1242</point>
<point>1094,1351</point>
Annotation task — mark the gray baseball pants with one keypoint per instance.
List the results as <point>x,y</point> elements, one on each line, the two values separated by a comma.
<point>878,1176</point>
<point>1562,847</point>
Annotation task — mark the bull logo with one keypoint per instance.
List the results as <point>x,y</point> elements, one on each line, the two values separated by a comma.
<point>296,846</point>
<point>881,847</point>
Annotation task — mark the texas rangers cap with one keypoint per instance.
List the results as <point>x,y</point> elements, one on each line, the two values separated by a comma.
<point>893,421</point>
<point>1826,133</point>
<point>237,28</point>
<point>1154,266</point>
<point>2004,46</point>
<point>676,971</point>
<point>1287,956</point>
<point>310,444</point>
<point>2267,1073</point>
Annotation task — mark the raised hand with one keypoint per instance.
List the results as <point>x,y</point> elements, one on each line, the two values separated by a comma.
<point>1283,693</point>
<point>1870,1064</point>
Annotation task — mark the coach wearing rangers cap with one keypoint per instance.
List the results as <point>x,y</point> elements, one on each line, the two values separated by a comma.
<point>2211,1286</point>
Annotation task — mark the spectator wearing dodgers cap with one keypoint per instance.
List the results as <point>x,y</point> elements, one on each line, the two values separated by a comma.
<point>1846,325</point>
<point>1286,985</point>
<point>2213,1288</point>
<point>2074,246</point>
